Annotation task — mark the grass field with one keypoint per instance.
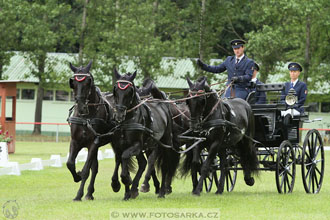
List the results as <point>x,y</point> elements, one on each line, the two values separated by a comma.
<point>48,194</point>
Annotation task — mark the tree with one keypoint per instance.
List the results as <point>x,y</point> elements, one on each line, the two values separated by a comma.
<point>41,32</point>
<point>292,30</point>
<point>8,36</point>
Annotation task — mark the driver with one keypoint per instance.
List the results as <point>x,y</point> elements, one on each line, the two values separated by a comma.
<point>300,88</point>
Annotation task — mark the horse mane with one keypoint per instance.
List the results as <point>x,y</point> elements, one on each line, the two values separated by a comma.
<point>151,88</point>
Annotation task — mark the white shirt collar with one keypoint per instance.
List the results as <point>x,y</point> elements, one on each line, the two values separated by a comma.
<point>240,58</point>
<point>295,82</point>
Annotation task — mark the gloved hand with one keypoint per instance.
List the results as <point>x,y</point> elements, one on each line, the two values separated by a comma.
<point>199,63</point>
<point>234,79</point>
<point>253,84</point>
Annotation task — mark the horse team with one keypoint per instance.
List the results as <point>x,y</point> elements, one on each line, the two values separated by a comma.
<point>151,130</point>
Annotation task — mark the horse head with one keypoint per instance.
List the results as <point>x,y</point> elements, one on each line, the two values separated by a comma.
<point>197,101</point>
<point>145,89</point>
<point>82,83</point>
<point>124,92</point>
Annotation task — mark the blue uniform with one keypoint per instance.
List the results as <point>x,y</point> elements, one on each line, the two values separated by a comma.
<point>259,96</point>
<point>301,92</point>
<point>243,70</point>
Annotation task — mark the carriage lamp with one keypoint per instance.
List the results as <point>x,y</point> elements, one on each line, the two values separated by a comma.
<point>291,98</point>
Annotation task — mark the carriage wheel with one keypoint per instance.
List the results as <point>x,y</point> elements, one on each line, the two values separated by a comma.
<point>285,168</point>
<point>208,181</point>
<point>231,174</point>
<point>312,166</point>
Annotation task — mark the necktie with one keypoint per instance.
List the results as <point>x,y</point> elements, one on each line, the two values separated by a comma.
<point>237,60</point>
<point>291,85</point>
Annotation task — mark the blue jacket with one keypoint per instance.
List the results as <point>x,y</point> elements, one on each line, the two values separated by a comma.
<point>301,92</point>
<point>260,96</point>
<point>243,70</point>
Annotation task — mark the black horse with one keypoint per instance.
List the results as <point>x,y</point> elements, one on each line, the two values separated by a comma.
<point>142,126</point>
<point>225,125</point>
<point>180,116</point>
<point>91,117</point>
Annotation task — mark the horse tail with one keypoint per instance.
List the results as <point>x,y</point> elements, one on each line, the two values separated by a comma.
<point>131,164</point>
<point>167,158</point>
<point>187,164</point>
<point>252,159</point>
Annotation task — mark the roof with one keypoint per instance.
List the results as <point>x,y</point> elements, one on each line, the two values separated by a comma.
<point>20,67</point>
<point>176,71</point>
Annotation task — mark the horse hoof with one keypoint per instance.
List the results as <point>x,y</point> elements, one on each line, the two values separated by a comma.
<point>134,194</point>
<point>195,193</point>
<point>89,197</point>
<point>169,190</point>
<point>76,200</point>
<point>249,181</point>
<point>161,196</point>
<point>126,198</point>
<point>144,188</point>
<point>218,192</point>
<point>115,186</point>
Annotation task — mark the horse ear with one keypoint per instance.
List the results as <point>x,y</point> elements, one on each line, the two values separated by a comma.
<point>73,68</point>
<point>202,83</point>
<point>117,75</point>
<point>88,67</point>
<point>189,83</point>
<point>148,88</point>
<point>133,76</point>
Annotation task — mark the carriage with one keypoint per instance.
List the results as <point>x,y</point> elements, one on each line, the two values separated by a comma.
<point>277,142</point>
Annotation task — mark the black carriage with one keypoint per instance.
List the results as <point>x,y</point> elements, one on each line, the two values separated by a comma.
<point>277,141</point>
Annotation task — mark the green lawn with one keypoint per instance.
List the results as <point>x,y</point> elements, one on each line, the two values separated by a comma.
<point>48,194</point>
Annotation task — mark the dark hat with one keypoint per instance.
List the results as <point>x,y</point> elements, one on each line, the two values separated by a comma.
<point>237,43</point>
<point>256,66</point>
<point>295,66</point>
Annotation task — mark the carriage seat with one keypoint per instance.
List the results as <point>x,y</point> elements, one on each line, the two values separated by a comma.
<point>251,98</point>
<point>270,87</point>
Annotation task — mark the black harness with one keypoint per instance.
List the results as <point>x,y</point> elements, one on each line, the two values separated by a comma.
<point>90,122</point>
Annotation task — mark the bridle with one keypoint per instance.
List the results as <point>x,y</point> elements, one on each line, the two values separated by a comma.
<point>119,85</point>
<point>197,94</point>
<point>80,77</point>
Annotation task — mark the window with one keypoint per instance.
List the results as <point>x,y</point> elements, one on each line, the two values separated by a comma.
<point>313,107</point>
<point>48,95</point>
<point>28,94</point>
<point>325,107</point>
<point>62,95</point>
<point>18,93</point>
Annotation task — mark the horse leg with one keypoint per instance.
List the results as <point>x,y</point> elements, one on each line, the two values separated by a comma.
<point>155,180</point>
<point>172,167</point>
<point>115,184</point>
<point>162,190</point>
<point>145,187</point>
<point>71,163</point>
<point>248,159</point>
<point>223,170</point>
<point>206,167</point>
<point>142,162</point>
<point>94,168</point>
<point>195,166</point>
<point>92,152</point>
<point>126,164</point>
